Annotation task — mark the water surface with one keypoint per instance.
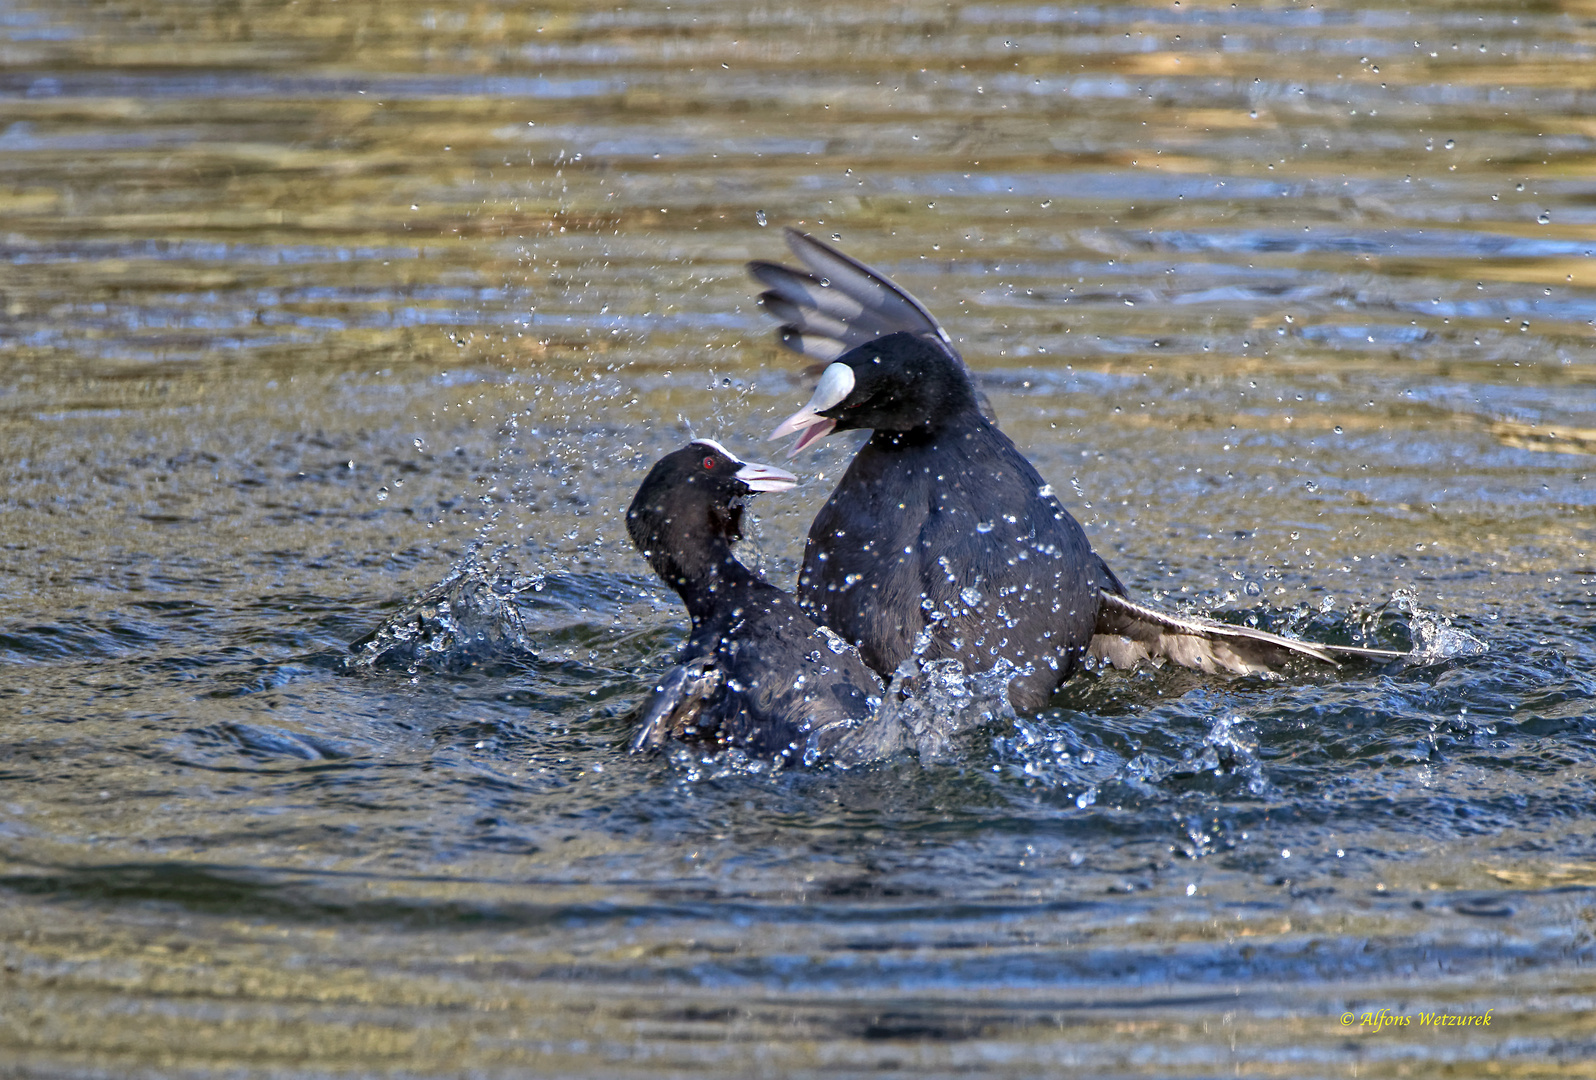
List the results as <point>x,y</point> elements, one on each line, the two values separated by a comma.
<point>304,304</point>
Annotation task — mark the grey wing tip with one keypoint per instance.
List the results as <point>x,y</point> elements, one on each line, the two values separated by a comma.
<point>772,274</point>
<point>1363,652</point>
<point>648,737</point>
<point>677,699</point>
<point>886,305</point>
<point>808,248</point>
<point>822,349</point>
<point>1128,632</point>
<point>651,732</point>
<point>797,239</point>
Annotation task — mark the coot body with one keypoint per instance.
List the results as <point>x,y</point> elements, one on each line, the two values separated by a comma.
<point>941,526</point>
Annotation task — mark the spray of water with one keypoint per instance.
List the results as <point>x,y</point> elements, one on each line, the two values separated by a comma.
<point>467,619</point>
<point>1435,639</point>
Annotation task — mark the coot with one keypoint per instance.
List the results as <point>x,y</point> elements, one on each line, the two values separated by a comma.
<point>941,539</point>
<point>757,672</point>
<point>940,525</point>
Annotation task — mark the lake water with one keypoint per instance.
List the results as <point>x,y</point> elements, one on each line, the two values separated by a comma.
<point>315,313</point>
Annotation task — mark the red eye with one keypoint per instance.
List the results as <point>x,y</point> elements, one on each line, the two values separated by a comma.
<point>709,463</point>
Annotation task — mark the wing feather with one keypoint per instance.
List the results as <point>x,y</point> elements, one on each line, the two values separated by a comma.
<point>677,702</point>
<point>873,290</point>
<point>837,303</point>
<point>810,320</point>
<point>1128,632</point>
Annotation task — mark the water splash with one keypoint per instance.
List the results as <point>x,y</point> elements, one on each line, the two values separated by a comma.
<point>932,704</point>
<point>942,701</point>
<point>1051,753</point>
<point>1229,748</point>
<point>1435,639</point>
<point>694,763</point>
<point>469,618</point>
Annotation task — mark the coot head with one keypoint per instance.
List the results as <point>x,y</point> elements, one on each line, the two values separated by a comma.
<point>690,506</point>
<point>903,382</point>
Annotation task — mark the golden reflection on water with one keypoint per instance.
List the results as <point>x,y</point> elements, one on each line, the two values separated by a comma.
<point>244,995</point>
<point>563,159</point>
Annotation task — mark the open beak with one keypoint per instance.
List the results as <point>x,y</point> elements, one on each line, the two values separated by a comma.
<point>836,383</point>
<point>765,477</point>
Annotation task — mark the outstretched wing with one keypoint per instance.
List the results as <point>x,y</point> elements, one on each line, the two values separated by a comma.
<point>678,700</point>
<point>1128,633</point>
<point>838,303</point>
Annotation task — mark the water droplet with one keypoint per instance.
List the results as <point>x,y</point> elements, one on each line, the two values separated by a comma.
<point>984,526</point>
<point>759,218</point>
<point>1545,218</point>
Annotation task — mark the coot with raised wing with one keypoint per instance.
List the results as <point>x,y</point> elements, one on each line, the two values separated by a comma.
<point>941,527</point>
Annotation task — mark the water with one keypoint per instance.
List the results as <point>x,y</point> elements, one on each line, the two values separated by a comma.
<point>318,314</point>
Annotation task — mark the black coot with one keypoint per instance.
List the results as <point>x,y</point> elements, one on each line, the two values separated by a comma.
<point>940,525</point>
<point>757,672</point>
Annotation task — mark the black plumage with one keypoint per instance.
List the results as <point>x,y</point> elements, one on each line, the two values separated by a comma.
<point>941,527</point>
<point>756,672</point>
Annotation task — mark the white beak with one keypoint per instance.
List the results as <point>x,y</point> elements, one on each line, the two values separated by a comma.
<point>836,383</point>
<point>765,477</point>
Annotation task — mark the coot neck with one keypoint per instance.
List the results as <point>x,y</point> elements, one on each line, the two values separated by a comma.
<point>704,574</point>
